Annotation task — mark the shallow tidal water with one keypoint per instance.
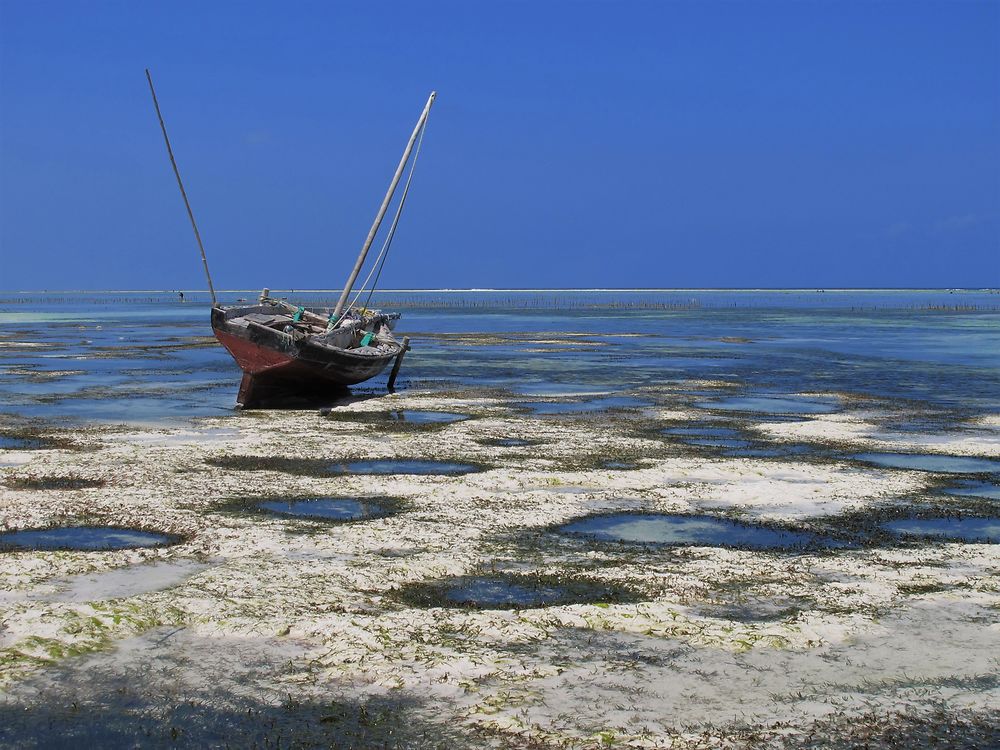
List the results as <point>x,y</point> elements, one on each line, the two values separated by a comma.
<point>326,508</point>
<point>86,538</point>
<point>147,357</point>
<point>426,417</point>
<point>952,529</point>
<point>924,462</point>
<point>771,405</point>
<point>671,530</point>
<point>990,490</point>
<point>496,592</point>
<point>19,444</point>
<point>403,466</point>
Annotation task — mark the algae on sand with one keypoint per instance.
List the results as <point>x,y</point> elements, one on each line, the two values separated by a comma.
<point>364,611</point>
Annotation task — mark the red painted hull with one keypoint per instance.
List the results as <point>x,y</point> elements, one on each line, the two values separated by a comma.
<point>277,366</point>
<point>251,358</point>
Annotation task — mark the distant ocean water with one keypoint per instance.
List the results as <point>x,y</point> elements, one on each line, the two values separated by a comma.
<point>140,356</point>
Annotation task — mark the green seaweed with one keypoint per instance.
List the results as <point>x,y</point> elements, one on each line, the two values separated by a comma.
<point>65,482</point>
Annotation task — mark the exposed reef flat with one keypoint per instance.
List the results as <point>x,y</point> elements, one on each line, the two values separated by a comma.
<point>258,626</point>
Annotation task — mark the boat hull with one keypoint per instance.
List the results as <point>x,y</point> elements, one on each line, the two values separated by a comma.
<point>274,363</point>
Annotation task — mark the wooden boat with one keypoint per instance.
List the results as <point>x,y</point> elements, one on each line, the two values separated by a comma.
<point>283,349</point>
<point>287,349</point>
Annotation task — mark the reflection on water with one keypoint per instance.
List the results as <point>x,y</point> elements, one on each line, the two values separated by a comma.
<point>88,538</point>
<point>779,450</point>
<point>426,417</point>
<point>931,462</point>
<point>619,465</point>
<point>12,443</point>
<point>327,508</point>
<point>990,490</point>
<point>509,442</point>
<point>703,431</point>
<point>583,407</point>
<point>487,592</point>
<point>733,444</point>
<point>718,442</point>
<point>511,591</point>
<point>672,530</point>
<point>771,405</point>
<point>403,466</point>
<point>551,390</point>
<point>985,530</point>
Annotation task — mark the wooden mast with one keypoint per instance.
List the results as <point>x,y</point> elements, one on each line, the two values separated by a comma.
<point>382,209</point>
<point>177,174</point>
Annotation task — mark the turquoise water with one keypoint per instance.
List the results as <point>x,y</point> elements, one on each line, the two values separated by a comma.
<point>146,357</point>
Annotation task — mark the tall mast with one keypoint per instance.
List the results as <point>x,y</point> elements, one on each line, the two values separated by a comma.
<point>381,212</point>
<point>177,174</point>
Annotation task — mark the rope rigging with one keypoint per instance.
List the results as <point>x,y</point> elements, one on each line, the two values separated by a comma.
<point>384,252</point>
<point>380,261</point>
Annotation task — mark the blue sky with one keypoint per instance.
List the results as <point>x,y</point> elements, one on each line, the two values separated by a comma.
<point>573,144</point>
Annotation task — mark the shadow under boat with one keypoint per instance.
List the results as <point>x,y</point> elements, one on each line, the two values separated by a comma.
<point>295,395</point>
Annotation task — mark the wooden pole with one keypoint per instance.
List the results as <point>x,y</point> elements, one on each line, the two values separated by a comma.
<point>399,360</point>
<point>180,184</point>
<point>382,209</point>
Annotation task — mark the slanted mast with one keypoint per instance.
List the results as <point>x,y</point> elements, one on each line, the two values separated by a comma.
<point>421,123</point>
<point>180,184</point>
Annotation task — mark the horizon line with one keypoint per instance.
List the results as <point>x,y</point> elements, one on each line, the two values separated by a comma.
<point>814,289</point>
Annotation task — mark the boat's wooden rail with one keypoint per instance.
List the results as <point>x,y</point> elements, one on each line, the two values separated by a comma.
<point>268,324</point>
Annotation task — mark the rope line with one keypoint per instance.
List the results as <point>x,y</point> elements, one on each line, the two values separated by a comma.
<point>380,261</point>
<point>383,253</point>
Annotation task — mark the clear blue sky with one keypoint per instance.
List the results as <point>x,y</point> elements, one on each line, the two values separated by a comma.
<point>573,144</point>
